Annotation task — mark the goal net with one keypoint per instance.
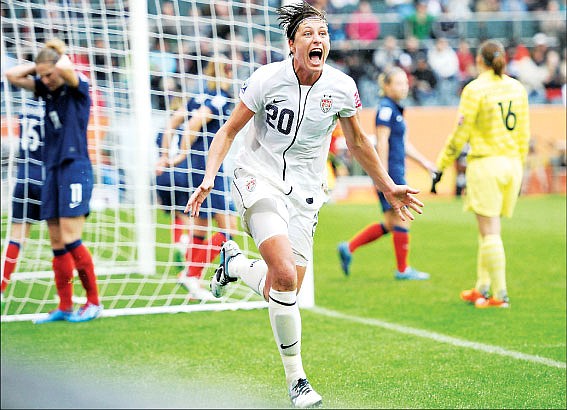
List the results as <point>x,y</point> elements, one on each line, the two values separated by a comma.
<point>143,59</point>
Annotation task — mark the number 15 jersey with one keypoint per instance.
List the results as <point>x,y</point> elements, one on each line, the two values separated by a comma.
<point>289,139</point>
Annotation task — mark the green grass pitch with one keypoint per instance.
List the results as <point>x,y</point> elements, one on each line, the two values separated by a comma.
<point>372,342</point>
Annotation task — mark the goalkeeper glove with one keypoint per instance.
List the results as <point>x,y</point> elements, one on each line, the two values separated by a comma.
<point>436,177</point>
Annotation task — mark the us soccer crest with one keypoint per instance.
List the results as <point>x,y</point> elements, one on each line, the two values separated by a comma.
<point>326,103</point>
<point>250,184</point>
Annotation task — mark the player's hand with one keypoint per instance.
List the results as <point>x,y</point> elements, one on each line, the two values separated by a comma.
<point>435,178</point>
<point>198,197</point>
<point>161,165</point>
<point>402,201</point>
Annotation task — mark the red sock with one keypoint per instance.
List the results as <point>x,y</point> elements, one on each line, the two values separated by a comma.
<point>177,229</point>
<point>63,268</point>
<point>194,248</point>
<point>205,254</point>
<point>367,235</point>
<point>85,268</point>
<point>10,262</point>
<point>401,247</point>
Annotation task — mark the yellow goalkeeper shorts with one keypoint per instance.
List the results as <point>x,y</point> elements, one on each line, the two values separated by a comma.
<point>493,185</point>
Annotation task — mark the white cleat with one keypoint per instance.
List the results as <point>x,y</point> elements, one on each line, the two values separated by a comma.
<point>303,396</point>
<point>221,278</point>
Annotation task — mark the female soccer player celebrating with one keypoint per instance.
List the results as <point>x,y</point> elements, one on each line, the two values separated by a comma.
<point>68,181</point>
<point>393,147</point>
<point>493,119</point>
<point>279,183</point>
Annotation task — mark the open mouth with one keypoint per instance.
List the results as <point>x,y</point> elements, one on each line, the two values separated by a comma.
<point>316,55</point>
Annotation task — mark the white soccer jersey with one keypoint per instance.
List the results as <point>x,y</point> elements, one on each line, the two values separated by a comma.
<point>289,141</point>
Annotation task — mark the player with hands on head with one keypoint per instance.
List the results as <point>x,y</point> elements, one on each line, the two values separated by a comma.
<point>68,181</point>
<point>393,147</point>
<point>279,176</point>
<point>493,117</point>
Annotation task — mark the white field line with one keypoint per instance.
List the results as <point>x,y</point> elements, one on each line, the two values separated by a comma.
<point>440,338</point>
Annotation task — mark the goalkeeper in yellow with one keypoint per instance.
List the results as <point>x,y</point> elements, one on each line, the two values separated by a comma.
<point>494,119</point>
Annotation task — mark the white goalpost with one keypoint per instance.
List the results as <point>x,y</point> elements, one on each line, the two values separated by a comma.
<point>142,58</point>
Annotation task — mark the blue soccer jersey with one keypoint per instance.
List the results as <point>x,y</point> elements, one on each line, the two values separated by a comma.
<point>26,197</point>
<point>30,156</point>
<point>391,115</point>
<point>69,176</point>
<point>67,112</point>
<point>220,105</point>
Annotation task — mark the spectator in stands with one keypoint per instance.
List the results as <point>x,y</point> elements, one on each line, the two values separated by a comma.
<point>69,177</point>
<point>424,82</point>
<point>522,67</point>
<point>467,68</point>
<point>555,78</point>
<point>554,24</point>
<point>412,48</point>
<point>363,25</point>
<point>337,32</point>
<point>388,55</point>
<point>540,49</point>
<point>459,9</point>
<point>445,64</point>
<point>26,196</point>
<point>487,6</point>
<point>446,25</point>
<point>420,23</point>
<point>393,147</point>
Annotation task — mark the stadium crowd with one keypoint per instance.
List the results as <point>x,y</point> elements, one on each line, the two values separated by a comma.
<point>426,38</point>
<point>434,41</point>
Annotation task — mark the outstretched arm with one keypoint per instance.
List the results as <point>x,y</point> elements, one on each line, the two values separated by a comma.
<point>217,152</point>
<point>399,196</point>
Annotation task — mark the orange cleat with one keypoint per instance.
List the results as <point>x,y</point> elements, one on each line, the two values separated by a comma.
<point>483,303</point>
<point>472,295</point>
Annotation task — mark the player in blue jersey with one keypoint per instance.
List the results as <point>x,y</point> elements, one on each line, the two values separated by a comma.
<point>68,181</point>
<point>208,112</point>
<point>26,197</point>
<point>393,147</point>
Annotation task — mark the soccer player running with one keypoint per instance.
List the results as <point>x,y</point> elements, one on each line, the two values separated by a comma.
<point>26,197</point>
<point>392,147</point>
<point>68,181</point>
<point>493,118</point>
<point>207,113</point>
<point>279,179</point>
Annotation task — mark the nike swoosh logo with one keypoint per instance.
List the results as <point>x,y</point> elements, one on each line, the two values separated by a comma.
<point>278,101</point>
<point>74,205</point>
<point>288,346</point>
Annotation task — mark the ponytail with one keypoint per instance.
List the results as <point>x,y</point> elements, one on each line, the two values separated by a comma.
<point>492,53</point>
<point>52,51</point>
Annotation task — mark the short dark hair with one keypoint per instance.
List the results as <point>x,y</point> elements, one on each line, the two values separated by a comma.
<point>291,16</point>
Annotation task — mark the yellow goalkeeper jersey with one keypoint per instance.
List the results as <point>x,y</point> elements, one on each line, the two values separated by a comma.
<point>493,118</point>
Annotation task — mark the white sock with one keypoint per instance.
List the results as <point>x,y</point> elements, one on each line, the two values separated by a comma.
<point>251,271</point>
<point>286,326</point>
